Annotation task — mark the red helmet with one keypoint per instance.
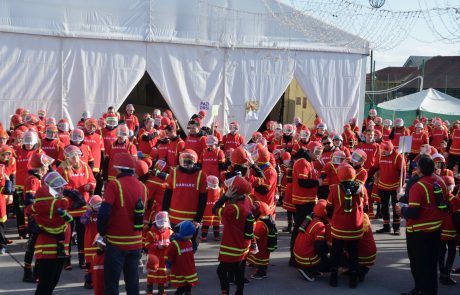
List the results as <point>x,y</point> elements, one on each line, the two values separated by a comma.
<point>288,129</point>
<point>30,137</point>
<point>241,185</point>
<point>168,114</point>
<point>358,157</point>
<point>234,126</point>
<point>286,156</point>
<point>263,154</point>
<point>320,209</point>
<point>304,134</point>
<point>154,154</point>
<point>202,114</point>
<point>95,202</point>
<point>19,111</point>
<point>77,135</point>
<point>51,132</point>
<point>346,173</point>
<point>260,209</point>
<point>63,125</point>
<point>153,263</point>
<point>31,119</point>
<point>148,161</point>
<point>165,121</point>
<point>91,123</point>
<point>373,112</point>
<point>239,156</point>
<point>386,147</point>
<point>122,131</point>
<point>378,120</point>
<point>141,168</point>
<point>40,160</point>
<point>188,158</point>
<point>352,121</point>
<point>41,113</point>
<point>213,182</point>
<point>256,135</point>
<point>71,151</point>
<point>338,157</point>
<point>16,120</point>
<point>438,158</point>
<point>211,140</point>
<point>124,161</point>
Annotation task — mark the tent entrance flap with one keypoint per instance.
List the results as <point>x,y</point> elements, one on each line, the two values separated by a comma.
<point>145,97</point>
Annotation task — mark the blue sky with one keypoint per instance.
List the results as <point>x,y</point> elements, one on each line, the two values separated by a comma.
<point>421,41</point>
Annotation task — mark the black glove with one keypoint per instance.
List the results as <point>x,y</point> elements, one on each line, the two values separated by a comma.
<point>8,189</point>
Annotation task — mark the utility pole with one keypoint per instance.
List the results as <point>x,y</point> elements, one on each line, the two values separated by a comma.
<point>445,87</point>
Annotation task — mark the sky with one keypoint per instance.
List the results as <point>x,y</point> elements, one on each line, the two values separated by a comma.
<point>420,41</point>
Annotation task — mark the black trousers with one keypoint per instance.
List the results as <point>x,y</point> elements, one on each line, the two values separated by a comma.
<point>30,249</point>
<point>299,216</point>
<point>18,204</point>
<point>235,269</point>
<point>3,239</point>
<point>49,272</point>
<point>99,183</point>
<point>423,252</point>
<point>79,228</point>
<point>323,192</point>
<point>184,290</point>
<point>386,197</point>
<point>337,250</point>
<point>445,264</point>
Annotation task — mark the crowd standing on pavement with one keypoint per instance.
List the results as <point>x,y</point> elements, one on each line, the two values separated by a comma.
<point>119,187</point>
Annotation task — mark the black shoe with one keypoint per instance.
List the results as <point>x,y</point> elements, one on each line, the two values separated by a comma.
<point>362,273</point>
<point>246,281</point>
<point>258,276</point>
<point>287,229</point>
<point>447,280</point>
<point>397,232</point>
<point>384,230</point>
<point>353,280</point>
<point>28,276</point>
<point>88,285</point>
<point>292,262</point>
<point>333,280</point>
<point>307,276</point>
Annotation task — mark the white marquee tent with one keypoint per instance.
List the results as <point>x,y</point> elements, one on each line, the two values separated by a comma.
<point>428,100</point>
<point>76,55</point>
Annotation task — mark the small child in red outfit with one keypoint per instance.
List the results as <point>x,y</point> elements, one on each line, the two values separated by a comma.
<point>180,260</point>
<point>265,234</point>
<point>156,243</point>
<point>209,219</point>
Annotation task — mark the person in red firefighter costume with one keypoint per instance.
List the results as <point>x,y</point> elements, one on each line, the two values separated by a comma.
<point>63,131</point>
<point>391,165</point>
<point>39,167</point>
<point>196,139</point>
<point>387,123</point>
<point>147,138</point>
<point>345,207</point>
<point>80,178</point>
<point>304,190</point>
<point>329,173</point>
<point>337,141</point>
<point>186,195</point>
<point>121,145</point>
<point>453,147</point>
<point>310,247</point>
<point>120,222</point>
<point>264,185</point>
<point>303,142</point>
<point>49,213</point>
<point>209,219</point>
<point>77,137</point>
<point>8,179</point>
<point>157,243</point>
<point>24,154</point>
<point>51,144</point>
<point>419,138</point>
<point>238,222</point>
<point>354,126</point>
<point>320,132</point>
<point>265,235</point>
<point>180,260</point>
<point>349,137</point>
<point>438,136</point>
<point>357,159</point>
<point>93,138</point>
<point>175,146</point>
<point>372,115</point>
<point>156,184</point>
<point>232,139</point>
<point>130,120</point>
<point>367,249</point>
<point>89,220</point>
<point>288,139</point>
<point>440,166</point>
<point>212,159</point>
<point>276,141</point>
<point>398,131</point>
<point>299,126</point>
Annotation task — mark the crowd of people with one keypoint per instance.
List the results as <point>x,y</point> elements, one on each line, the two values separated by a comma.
<point>119,186</point>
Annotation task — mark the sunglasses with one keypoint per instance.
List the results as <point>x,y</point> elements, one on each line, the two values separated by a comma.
<point>327,143</point>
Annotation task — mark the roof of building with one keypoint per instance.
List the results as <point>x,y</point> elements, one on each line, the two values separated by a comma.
<point>416,61</point>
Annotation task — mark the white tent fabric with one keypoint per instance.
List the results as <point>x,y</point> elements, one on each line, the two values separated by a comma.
<point>73,56</point>
<point>428,100</point>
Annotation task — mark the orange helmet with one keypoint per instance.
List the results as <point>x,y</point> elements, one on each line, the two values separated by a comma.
<point>40,160</point>
<point>141,168</point>
<point>241,185</point>
<point>188,158</point>
<point>213,182</point>
<point>346,173</point>
<point>239,156</point>
<point>77,135</point>
<point>124,161</point>
<point>386,148</point>
<point>263,154</point>
<point>320,209</point>
<point>338,157</point>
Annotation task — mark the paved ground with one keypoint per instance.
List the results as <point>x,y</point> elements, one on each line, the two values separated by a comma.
<point>390,275</point>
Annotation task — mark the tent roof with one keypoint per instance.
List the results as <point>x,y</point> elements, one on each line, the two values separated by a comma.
<point>219,23</point>
<point>429,100</point>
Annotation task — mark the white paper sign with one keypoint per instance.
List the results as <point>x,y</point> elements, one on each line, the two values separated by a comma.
<point>215,110</point>
<point>405,143</point>
<point>204,106</point>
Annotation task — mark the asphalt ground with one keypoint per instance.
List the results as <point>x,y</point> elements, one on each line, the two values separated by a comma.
<point>390,275</point>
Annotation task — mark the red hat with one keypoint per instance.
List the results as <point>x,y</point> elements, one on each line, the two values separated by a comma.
<point>241,185</point>
<point>36,161</point>
<point>285,156</point>
<point>148,161</point>
<point>165,121</point>
<point>320,209</point>
<point>202,114</point>
<point>386,146</point>
<point>346,173</point>
<point>153,263</point>
<point>16,119</point>
<point>19,111</point>
<point>264,154</point>
<point>3,134</point>
<point>239,156</point>
<point>124,161</point>
<point>260,209</point>
<point>169,114</point>
<point>141,168</point>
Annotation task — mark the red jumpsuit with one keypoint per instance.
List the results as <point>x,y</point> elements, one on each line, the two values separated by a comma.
<point>196,143</point>
<point>131,121</point>
<point>183,271</point>
<point>208,218</point>
<point>262,258</point>
<point>109,136</point>
<point>437,136</point>
<point>210,160</point>
<point>175,146</point>
<point>115,148</point>
<point>146,146</point>
<point>300,195</point>
<point>367,250</point>
<point>96,143</point>
<point>157,243</point>
<point>231,141</point>
<point>64,137</point>
<point>52,147</point>
<point>304,247</point>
